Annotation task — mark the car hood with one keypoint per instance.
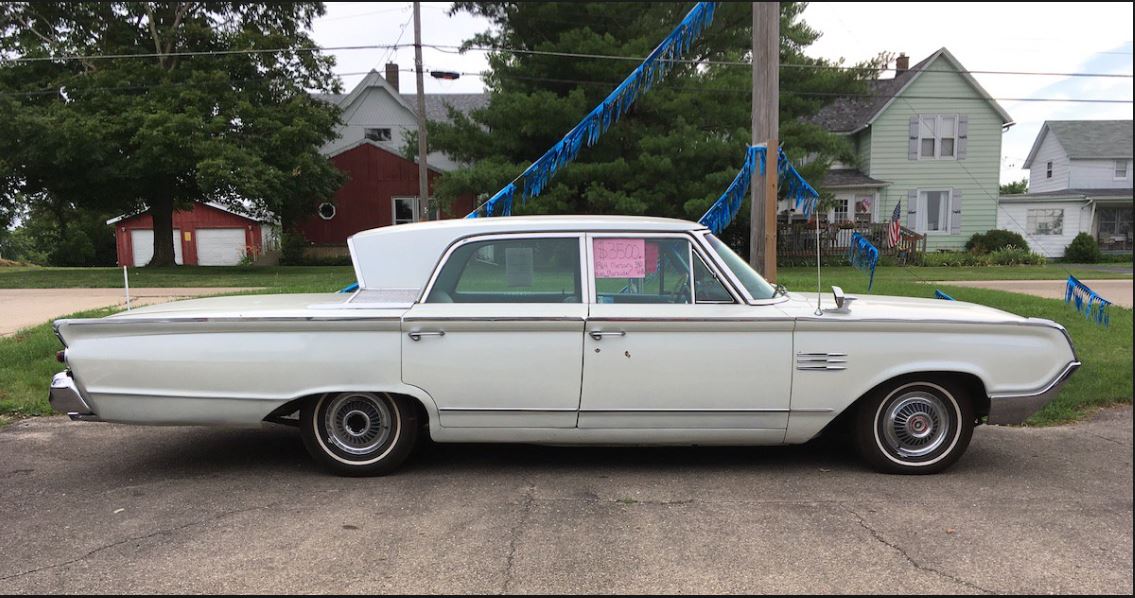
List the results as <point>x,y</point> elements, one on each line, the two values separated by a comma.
<point>885,307</point>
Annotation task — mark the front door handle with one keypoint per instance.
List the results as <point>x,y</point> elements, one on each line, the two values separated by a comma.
<point>416,335</point>
<point>599,334</point>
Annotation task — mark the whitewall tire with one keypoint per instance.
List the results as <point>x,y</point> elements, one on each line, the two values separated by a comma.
<point>359,433</point>
<point>914,426</point>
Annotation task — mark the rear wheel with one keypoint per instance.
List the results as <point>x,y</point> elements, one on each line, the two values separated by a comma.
<point>914,427</point>
<point>359,433</point>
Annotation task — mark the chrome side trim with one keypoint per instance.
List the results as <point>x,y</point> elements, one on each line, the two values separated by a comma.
<point>647,410</point>
<point>495,318</point>
<point>227,320</point>
<point>821,361</point>
<point>505,409</point>
<point>1015,408</point>
<point>756,319</point>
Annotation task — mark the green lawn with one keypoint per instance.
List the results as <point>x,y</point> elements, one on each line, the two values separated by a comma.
<point>27,359</point>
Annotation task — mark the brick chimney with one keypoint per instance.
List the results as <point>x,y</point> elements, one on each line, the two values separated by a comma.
<point>902,64</point>
<point>392,75</point>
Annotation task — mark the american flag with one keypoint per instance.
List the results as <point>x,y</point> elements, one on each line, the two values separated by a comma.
<point>893,233</point>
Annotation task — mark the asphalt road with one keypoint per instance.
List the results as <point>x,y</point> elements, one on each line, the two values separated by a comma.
<point>103,508</point>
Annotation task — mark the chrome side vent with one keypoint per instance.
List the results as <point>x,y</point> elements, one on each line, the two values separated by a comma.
<point>821,361</point>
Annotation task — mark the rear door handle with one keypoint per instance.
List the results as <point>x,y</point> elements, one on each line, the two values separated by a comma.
<point>599,334</point>
<point>416,335</point>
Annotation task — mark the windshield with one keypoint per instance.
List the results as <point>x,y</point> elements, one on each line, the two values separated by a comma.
<point>758,287</point>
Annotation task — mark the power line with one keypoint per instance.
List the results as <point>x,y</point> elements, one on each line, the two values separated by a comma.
<point>452,49</point>
<point>808,93</point>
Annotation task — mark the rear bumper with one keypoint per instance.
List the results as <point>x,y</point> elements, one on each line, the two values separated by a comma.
<point>1015,408</point>
<point>66,398</point>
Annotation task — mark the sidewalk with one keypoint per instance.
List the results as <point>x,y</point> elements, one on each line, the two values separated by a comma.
<point>21,308</point>
<point>1118,291</point>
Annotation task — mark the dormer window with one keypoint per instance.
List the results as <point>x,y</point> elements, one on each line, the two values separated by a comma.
<point>377,134</point>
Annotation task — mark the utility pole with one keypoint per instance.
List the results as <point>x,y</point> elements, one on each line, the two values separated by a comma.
<point>423,168</point>
<point>766,129</point>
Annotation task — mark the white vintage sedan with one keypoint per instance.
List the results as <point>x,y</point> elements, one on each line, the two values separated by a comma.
<point>566,330</point>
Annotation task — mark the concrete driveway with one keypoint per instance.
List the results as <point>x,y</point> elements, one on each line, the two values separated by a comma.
<point>94,508</point>
<point>21,308</point>
<point>1116,291</point>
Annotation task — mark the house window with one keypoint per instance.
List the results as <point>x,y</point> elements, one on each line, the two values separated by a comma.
<point>934,211</point>
<point>864,209</point>
<point>937,136</point>
<point>326,211</point>
<point>405,210</point>
<point>1046,222</point>
<point>1120,169</point>
<point>1048,170</point>
<point>839,211</point>
<point>377,134</point>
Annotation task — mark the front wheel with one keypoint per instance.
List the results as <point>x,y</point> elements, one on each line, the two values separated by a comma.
<point>914,427</point>
<point>359,433</point>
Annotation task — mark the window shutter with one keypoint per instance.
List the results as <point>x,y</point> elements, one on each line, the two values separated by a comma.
<point>963,135</point>
<point>955,211</point>
<point>912,209</point>
<point>912,145</point>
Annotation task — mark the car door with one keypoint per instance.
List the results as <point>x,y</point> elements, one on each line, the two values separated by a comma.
<point>497,339</point>
<point>669,344</point>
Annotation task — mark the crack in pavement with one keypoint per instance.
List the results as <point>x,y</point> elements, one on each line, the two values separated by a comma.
<point>525,509</point>
<point>1109,439</point>
<point>879,538</point>
<point>159,532</point>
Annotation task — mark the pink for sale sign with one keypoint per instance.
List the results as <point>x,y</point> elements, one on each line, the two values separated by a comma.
<point>620,258</point>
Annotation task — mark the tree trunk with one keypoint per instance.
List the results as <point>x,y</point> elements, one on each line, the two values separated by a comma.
<point>161,209</point>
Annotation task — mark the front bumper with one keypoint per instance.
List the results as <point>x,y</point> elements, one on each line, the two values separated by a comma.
<point>66,398</point>
<point>1015,408</point>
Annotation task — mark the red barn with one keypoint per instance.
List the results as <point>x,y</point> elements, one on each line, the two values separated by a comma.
<point>381,189</point>
<point>205,235</point>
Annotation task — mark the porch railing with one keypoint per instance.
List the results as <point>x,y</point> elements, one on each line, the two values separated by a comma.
<point>796,241</point>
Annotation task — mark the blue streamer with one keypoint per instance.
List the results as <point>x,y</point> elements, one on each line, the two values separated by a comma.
<point>864,256</point>
<point>803,195</point>
<point>535,178</point>
<point>940,295</point>
<point>351,288</point>
<point>1087,301</point>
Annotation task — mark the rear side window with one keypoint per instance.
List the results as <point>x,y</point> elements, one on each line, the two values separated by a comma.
<point>537,270</point>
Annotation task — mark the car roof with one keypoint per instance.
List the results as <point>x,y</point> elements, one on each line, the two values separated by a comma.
<point>461,227</point>
<point>403,256</point>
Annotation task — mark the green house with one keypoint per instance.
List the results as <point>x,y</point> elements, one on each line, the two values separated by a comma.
<point>929,141</point>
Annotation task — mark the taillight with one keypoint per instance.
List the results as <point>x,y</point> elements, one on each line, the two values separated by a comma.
<point>61,356</point>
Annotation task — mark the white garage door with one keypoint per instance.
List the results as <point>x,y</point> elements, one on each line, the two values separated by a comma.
<point>142,241</point>
<point>220,246</point>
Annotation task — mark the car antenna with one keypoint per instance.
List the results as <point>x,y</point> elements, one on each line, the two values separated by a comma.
<point>819,292</point>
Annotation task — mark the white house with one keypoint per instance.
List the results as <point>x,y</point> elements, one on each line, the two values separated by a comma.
<point>1079,181</point>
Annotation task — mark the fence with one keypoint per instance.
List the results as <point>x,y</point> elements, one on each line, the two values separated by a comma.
<point>796,241</point>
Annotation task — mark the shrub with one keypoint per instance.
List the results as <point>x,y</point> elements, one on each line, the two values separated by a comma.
<point>1016,256</point>
<point>292,246</point>
<point>994,240</point>
<point>1083,249</point>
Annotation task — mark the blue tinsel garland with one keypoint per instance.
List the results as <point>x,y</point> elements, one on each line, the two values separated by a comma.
<point>803,195</point>
<point>1087,301</point>
<point>863,255</point>
<point>940,295</point>
<point>535,178</point>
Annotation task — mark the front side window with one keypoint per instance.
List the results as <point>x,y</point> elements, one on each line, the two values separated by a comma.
<point>937,136</point>
<point>934,211</point>
<point>405,210</point>
<point>641,270</point>
<point>535,270</point>
<point>1046,222</point>
<point>757,286</point>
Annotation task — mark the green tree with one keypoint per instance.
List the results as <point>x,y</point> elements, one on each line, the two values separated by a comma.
<point>214,107</point>
<point>682,142</point>
<point>1016,187</point>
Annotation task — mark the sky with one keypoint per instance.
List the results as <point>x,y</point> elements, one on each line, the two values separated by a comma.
<point>1048,37</point>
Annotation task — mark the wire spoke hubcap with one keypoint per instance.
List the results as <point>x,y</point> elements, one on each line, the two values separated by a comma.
<point>916,424</point>
<point>358,423</point>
